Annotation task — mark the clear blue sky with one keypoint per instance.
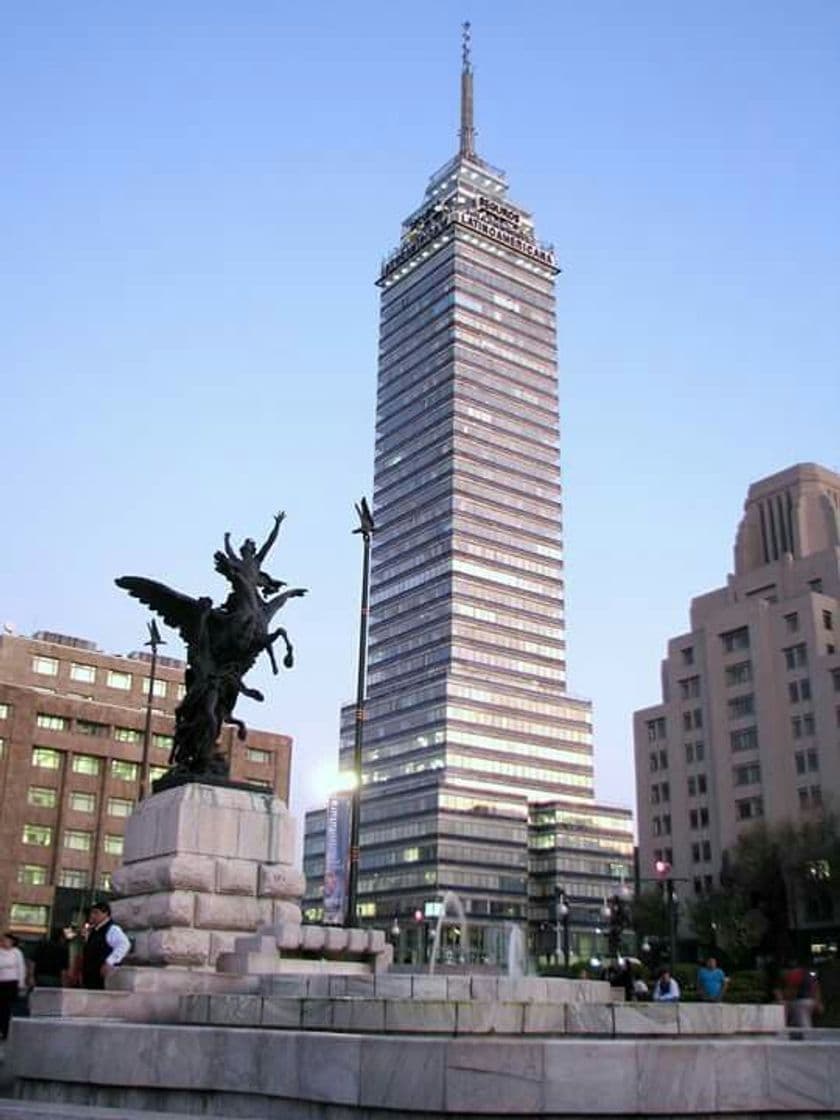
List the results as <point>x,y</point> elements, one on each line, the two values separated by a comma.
<point>194,200</point>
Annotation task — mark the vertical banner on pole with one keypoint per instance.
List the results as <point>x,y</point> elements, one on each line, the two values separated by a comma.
<point>337,858</point>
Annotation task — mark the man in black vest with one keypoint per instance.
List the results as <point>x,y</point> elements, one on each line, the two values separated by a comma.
<point>105,947</point>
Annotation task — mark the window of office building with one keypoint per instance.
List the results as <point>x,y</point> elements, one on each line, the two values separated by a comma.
<point>121,681</point>
<point>689,688</point>
<point>46,758</point>
<point>163,742</point>
<point>52,723</point>
<point>807,761</point>
<point>735,639</point>
<point>5,711</point>
<point>39,834</point>
<point>92,728</point>
<point>799,690</point>
<point>113,845</point>
<point>82,802</point>
<point>84,673</point>
<point>741,706</point>
<point>810,797</point>
<point>746,775</point>
<point>689,753</point>
<point>156,772</point>
<point>125,771</point>
<point>796,656</point>
<point>105,883</point>
<point>739,673</point>
<point>792,622</point>
<point>687,655</point>
<point>158,688</point>
<point>86,764</point>
<point>32,874</point>
<point>77,840</point>
<point>119,807</point>
<point>128,735</point>
<point>73,877</point>
<point>255,755</point>
<point>654,762</point>
<point>693,819</point>
<point>663,760</point>
<point>42,796</point>
<point>656,729</point>
<point>654,795</point>
<point>749,808</point>
<point>828,620</point>
<point>45,666</point>
<point>744,740</point>
<point>28,914</point>
<point>704,817</point>
<point>2,747</point>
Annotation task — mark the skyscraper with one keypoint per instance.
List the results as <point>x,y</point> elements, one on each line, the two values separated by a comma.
<point>468,720</point>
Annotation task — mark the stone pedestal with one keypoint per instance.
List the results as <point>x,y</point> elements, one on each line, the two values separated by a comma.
<point>203,865</point>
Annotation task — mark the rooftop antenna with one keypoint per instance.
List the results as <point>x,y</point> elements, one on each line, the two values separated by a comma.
<point>467,132</point>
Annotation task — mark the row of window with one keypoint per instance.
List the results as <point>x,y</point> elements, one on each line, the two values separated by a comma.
<point>792,621</point>
<point>76,839</point>
<point>37,875</point>
<point>49,759</point>
<point>49,722</point>
<point>87,674</point>
<point>46,797</point>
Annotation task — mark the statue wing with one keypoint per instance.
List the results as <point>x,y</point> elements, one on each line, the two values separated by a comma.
<point>179,611</point>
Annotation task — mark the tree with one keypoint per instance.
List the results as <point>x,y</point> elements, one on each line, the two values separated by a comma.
<point>769,879</point>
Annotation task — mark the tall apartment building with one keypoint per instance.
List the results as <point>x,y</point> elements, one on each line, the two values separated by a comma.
<point>72,723</point>
<point>468,721</point>
<point>749,724</point>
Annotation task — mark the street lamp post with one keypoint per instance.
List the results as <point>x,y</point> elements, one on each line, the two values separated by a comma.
<point>672,921</point>
<point>562,924</point>
<point>365,529</point>
<point>154,641</point>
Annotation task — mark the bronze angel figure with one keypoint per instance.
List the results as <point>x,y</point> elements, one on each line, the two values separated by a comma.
<point>222,645</point>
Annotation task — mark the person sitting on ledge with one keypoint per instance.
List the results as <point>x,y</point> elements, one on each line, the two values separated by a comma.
<point>666,990</point>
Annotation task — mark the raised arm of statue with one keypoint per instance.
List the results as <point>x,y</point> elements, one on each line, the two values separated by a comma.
<point>271,538</point>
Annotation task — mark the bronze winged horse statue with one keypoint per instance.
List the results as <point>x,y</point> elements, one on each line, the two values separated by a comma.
<point>222,645</point>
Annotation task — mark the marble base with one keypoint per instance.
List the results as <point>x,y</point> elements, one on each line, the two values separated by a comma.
<point>203,865</point>
<point>250,1071</point>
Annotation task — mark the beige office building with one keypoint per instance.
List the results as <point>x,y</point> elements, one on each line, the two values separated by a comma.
<point>749,723</point>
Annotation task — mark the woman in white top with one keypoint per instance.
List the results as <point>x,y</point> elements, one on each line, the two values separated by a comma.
<point>12,979</point>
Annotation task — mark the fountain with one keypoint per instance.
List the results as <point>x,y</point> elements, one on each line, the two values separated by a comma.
<point>517,959</point>
<point>450,897</point>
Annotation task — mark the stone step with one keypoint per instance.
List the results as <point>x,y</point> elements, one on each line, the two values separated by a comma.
<point>53,1110</point>
<point>356,1014</point>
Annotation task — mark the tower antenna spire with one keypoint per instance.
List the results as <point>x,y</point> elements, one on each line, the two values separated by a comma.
<point>467,132</point>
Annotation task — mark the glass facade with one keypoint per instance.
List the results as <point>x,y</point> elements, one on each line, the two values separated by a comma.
<point>467,723</point>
